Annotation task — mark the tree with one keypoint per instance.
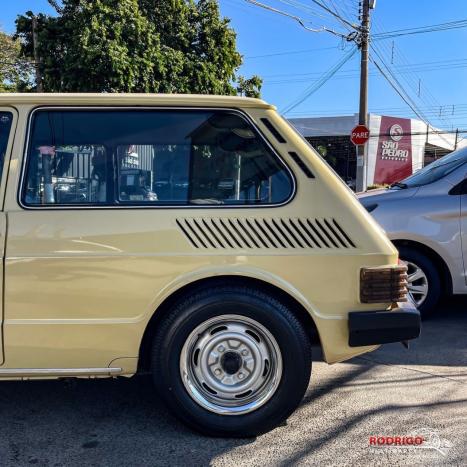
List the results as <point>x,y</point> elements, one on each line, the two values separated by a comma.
<point>136,46</point>
<point>14,71</point>
<point>249,87</point>
<point>103,46</point>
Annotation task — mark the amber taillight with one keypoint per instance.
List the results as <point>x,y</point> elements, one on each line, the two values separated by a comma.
<point>383,284</point>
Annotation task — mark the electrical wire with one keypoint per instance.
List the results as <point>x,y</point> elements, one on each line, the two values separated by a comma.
<point>290,52</point>
<point>417,66</point>
<point>336,15</point>
<point>299,20</point>
<point>339,12</point>
<point>319,83</point>
<point>397,87</point>
<point>344,75</point>
<point>411,79</point>
<point>433,131</point>
<point>352,73</point>
<point>293,52</point>
<point>422,29</point>
<point>333,14</point>
<point>305,8</point>
<point>402,93</point>
<point>389,74</point>
<point>381,110</point>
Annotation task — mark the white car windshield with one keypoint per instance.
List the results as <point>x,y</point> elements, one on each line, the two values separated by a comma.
<point>435,170</point>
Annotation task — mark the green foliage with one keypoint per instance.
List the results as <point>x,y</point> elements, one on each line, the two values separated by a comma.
<point>324,153</point>
<point>136,46</point>
<point>14,71</point>
<point>323,150</point>
<point>249,87</point>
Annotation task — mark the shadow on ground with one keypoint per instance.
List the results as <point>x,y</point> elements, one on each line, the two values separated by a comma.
<point>87,422</point>
<point>121,422</point>
<point>442,342</point>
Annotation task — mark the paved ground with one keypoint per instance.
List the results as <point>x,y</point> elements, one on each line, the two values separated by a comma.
<point>391,392</point>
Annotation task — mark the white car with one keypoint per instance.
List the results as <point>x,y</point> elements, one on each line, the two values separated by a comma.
<point>425,216</point>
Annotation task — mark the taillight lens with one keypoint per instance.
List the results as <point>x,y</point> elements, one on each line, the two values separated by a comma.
<point>383,284</point>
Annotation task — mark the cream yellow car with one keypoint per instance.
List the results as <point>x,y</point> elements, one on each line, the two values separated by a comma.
<point>198,238</point>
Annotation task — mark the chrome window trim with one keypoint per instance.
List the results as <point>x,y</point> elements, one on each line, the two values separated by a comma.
<point>62,207</point>
<point>8,152</point>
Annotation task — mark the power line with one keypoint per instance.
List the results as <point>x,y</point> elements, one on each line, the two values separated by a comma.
<point>290,52</point>
<point>334,14</point>
<point>413,81</point>
<point>399,89</point>
<point>433,131</point>
<point>351,9</point>
<point>435,108</point>
<point>340,12</point>
<point>396,110</point>
<point>305,8</point>
<point>342,20</point>
<point>384,35</point>
<point>319,83</point>
<point>420,66</point>
<point>356,34</point>
<point>323,14</point>
<point>422,29</point>
<point>423,133</point>
<point>349,74</point>
<point>299,20</point>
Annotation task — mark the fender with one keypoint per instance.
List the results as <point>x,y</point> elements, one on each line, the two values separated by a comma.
<point>234,270</point>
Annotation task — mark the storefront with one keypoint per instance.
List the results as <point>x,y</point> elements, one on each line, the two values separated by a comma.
<point>397,147</point>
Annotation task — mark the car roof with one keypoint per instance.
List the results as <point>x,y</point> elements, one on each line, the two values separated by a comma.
<point>191,100</point>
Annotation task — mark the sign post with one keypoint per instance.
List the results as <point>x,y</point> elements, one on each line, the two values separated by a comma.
<point>359,137</point>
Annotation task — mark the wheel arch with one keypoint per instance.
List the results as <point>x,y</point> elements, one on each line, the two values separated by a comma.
<point>284,297</point>
<point>438,261</point>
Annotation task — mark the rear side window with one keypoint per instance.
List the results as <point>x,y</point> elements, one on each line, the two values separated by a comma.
<point>150,157</point>
<point>6,119</point>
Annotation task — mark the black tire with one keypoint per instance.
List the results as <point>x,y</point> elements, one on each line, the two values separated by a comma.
<point>205,304</point>
<point>428,307</point>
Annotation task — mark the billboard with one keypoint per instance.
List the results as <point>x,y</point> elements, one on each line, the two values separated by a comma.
<point>395,149</point>
<point>394,152</point>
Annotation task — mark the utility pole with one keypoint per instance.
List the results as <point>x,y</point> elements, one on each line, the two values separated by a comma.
<point>35,45</point>
<point>362,163</point>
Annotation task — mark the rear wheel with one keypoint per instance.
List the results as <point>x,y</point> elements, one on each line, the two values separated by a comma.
<point>231,361</point>
<point>424,284</point>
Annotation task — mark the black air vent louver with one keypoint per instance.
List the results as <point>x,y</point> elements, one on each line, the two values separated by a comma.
<point>263,233</point>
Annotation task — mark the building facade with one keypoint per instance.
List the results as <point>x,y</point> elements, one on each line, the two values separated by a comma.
<point>397,146</point>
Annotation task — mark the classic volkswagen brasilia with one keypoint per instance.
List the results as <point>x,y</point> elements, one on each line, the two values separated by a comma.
<point>198,238</point>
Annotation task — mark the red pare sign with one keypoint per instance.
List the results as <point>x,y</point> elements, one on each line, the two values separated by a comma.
<point>360,135</point>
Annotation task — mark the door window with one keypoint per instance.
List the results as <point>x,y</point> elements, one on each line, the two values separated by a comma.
<point>150,157</point>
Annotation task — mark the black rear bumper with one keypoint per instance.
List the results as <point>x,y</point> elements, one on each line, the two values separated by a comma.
<point>383,327</point>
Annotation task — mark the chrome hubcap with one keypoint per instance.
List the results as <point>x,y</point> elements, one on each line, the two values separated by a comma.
<point>231,365</point>
<point>417,283</point>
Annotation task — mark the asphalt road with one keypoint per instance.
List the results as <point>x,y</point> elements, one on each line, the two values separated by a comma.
<point>390,392</point>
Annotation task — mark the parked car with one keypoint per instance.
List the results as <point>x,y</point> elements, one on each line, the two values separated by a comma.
<point>248,247</point>
<point>425,216</point>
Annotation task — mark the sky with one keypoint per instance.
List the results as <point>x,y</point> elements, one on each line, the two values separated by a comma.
<point>431,68</point>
